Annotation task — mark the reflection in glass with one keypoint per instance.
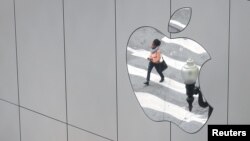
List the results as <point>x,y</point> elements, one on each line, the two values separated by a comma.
<point>168,101</point>
<point>179,20</point>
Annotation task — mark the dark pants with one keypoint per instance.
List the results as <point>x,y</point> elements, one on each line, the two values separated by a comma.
<point>151,65</point>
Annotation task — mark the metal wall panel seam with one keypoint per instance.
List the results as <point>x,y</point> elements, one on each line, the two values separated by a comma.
<point>170,36</point>
<point>229,46</point>
<point>116,84</point>
<point>17,71</point>
<point>65,71</point>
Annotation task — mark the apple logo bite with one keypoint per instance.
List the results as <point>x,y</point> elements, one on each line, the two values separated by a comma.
<point>169,92</point>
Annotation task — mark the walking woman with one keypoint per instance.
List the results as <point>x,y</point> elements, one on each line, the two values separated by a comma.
<point>154,60</point>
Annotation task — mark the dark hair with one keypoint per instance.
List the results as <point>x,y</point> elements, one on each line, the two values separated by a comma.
<point>157,42</point>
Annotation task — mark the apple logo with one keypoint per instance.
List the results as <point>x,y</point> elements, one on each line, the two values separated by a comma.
<point>178,99</point>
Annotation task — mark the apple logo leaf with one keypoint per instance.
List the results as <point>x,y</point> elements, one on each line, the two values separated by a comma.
<point>179,20</point>
<point>175,95</point>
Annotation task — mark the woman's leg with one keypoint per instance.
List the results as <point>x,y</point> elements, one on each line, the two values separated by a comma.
<point>150,67</point>
<point>157,67</point>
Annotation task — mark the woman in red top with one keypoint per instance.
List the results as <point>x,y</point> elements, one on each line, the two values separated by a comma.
<point>154,60</point>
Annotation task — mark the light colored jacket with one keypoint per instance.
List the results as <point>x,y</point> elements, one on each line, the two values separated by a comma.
<point>155,57</point>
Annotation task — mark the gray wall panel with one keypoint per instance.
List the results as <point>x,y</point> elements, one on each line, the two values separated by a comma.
<point>133,124</point>
<point>41,56</point>
<point>9,122</point>
<point>36,127</point>
<point>90,49</point>
<point>79,135</point>
<point>8,83</point>
<point>209,26</point>
<point>239,112</point>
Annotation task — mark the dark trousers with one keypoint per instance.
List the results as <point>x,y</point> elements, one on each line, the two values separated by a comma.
<point>151,65</point>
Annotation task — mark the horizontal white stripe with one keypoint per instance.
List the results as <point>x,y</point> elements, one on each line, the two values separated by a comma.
<point>169,83</point>
<point>186,43</point>
<point>170,61</point>
<point>150,101</point>
<point>174,22</point>
<point>145,54</point>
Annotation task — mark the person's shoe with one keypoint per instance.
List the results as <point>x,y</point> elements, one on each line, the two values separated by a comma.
<point>162,80</point>
<point>146,83</point>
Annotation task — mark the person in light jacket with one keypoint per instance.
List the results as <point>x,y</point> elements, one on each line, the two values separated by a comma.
<point>154,60</point>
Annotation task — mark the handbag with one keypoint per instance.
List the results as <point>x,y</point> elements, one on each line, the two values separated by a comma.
<point>163,65</point>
